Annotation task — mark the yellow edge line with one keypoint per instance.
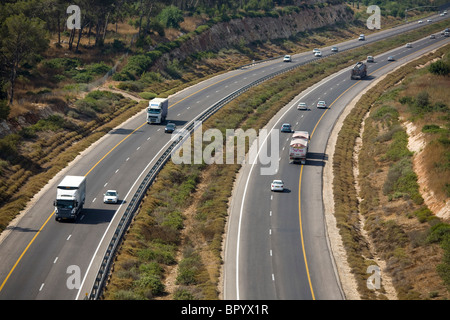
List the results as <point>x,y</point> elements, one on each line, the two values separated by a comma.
<point>42,227</point>
<point>300,201</point>
<point>301,173</point>
<point>46,221</point>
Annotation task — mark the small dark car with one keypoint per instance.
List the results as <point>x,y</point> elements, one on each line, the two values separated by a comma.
<point>170,127</point>
<point>286,127</point>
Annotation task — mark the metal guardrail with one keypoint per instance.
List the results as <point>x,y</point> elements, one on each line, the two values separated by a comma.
<point>131,209</point>
<point>134,203</point>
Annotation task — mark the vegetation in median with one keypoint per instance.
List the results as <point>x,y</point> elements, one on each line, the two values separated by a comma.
<point>199,260</point>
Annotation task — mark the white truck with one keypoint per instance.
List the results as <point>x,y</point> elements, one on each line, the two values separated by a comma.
<point>298,147</point>
<point>157,110</point>
<point>70,197</point>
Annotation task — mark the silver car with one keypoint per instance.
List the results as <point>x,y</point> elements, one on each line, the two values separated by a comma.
<point>321,104</point>
<point>302,106</point>
<point>111,196</point>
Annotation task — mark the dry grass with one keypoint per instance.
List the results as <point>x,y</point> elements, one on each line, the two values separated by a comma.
<point>399,237</point>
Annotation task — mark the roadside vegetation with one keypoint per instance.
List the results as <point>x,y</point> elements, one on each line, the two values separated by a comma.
<point>195,274</point>
<point>178,234</point>
<point>403,231</point>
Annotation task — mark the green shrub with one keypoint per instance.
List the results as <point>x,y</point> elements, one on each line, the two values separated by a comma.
<point>158,252</point>
<point>424,215</point>
<point>423,99</point>
<point>4,110</point>
<point>82,77</point>
<point>98,68</point>
<point>439,68</point>
<point>150,282</point>
<point>147,95</point>
<point>398,148</point>
<point>52,123</point>
<point>431,128</point>
<point>183,294</point>
<point>173,220</point>
<point>439,232</point>
<point>9,145</point>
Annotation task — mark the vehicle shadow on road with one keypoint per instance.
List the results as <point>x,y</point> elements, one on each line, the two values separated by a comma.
<point>316,159</point>
<point>96,216</point>
<point>368,78</point>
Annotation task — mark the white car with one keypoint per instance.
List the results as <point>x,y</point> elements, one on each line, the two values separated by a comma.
<point>420,21</point>
<point>409,45</point>
<point>321,104</point>
<point>318,54</point>
<point>429,20</point>
<point>277,185</point>
<point>287,58</point>
<point>111,196</point>
<point>302,106</point>
<point>315,50</point>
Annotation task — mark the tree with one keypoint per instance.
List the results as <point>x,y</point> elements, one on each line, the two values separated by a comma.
<point>171,17</point>
<point>21,40</point>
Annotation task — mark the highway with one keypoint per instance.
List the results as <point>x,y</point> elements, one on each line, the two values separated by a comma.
<point>39,254</point>
<point>277,245</point>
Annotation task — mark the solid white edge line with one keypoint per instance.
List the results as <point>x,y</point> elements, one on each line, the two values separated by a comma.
<point>145,169</point>
<point>303,95</point>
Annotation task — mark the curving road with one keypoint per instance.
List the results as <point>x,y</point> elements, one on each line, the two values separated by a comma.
<point>277,245</point>
<point>45,259</point>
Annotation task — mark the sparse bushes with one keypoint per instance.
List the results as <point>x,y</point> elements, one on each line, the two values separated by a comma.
<point>440,233</point>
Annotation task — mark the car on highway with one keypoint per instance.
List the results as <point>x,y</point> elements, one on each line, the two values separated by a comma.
<point>111,196</point>
<point>170,127</point>
<point>420,21</point>
<point>287,58</point>
<point>315,50</point>
<point>432,36</point>
<point>318,54</point>
<point>362,37</point>
<point>370,59</point>
<point>334,49</point>
<point>446,34</point>
<point>302,106</point>
<point>286,127</point>
<point>429,20</point>
<point>391,58</point>
<point>321,104</point>
<point>277,185</point>
<point>408,45</point>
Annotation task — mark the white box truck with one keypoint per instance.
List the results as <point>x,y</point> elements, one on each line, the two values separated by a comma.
<point>157,110</point>
<point>298,147</point>
<point>70,197</point>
